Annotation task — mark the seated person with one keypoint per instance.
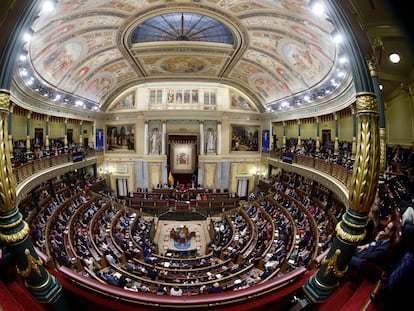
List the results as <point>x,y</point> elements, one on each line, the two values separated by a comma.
<point>6,264</point>
<point>176,291</point>
<point>375,251</point>
<point>216,288</point>
<point>396,291</point>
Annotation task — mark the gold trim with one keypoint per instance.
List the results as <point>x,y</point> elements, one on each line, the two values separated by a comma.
<point>383,150</point>
<point>10,215</point>
<point>7,183</point>
<point>12,238</point>
<point>364,179</point>
<point>4,99</point>
<point>181,307</point>
<point>332,265</point>
<point>32,264</point>
<point>366,102</point>
<point>13,224</point>
<point>322,285</point>
<point>345,236</point>
<point>349,224</point>
<point>41,285</point>
<point>355,216</point>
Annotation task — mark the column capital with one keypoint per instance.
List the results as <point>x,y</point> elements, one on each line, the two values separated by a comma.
<point>4,99</point>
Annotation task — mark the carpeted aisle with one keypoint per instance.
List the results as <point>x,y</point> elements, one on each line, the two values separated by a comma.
<point>196,242</point>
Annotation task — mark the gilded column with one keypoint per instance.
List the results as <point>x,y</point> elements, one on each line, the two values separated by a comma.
<point>351,230</point>
<point>14,231</point>
<point>354,130</point>
<point>284,136</point>
<point>382,129</point>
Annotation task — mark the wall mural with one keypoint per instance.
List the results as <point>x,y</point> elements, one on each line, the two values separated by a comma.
<point>120,138</point>
<point>239,102</point>
<point>245,138</point>
<point>126,102</point>
<point>182,65</point>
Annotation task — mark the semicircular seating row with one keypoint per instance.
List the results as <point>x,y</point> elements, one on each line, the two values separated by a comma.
<point>97,236</point>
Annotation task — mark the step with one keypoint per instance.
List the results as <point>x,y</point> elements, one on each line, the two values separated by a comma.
<point>8,301</point>
<point>360,299</point>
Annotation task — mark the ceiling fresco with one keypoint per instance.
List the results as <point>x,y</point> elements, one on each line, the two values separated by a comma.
<point>279,49</point>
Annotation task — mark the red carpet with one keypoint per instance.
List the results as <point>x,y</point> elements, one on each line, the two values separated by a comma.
<point>15,297</point>
<point>339,298</point>
<point>360,299</point>
<point>7,300</point>
<point>351,298</point>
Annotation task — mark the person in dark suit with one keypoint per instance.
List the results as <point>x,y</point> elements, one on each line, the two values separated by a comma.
<point>6,264</point>
<point>375,251</point>
<point>216,288</point>
<point>110,278</point>
<point>396,288</point>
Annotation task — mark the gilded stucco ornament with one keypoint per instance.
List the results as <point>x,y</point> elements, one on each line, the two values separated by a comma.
<point>366,102</point>
<point>364,180</point>
<point>332,267</point>
<point>4,99</point>
<point>32,264</point>
<point>7,184</point>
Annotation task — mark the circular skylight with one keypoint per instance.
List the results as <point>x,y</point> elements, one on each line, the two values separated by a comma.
<point>182,27</point>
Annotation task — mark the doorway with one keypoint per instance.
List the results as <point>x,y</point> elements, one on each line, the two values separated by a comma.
<point>326,138</point>
<point>69,136</point>
<point>122,187</point>
<point>38,136</point>
<point>243,188</point>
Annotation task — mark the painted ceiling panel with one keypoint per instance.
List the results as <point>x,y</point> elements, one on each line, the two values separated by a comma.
<point>279,48</point>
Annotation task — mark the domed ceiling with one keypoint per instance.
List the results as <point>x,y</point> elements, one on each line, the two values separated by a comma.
<point>278,53</point>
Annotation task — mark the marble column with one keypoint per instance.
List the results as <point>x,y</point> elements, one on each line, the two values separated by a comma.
<point>164,138</point>
<point>146,141</point>
<point>201,124</point>
<point>219,138</point>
